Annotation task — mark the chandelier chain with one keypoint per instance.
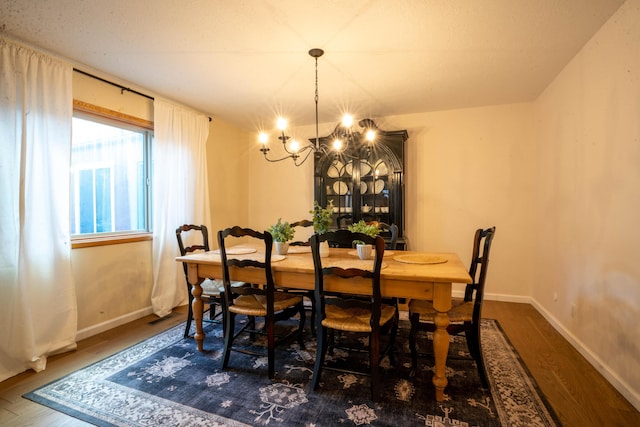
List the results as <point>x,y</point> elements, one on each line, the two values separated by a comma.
<point>316,100</point>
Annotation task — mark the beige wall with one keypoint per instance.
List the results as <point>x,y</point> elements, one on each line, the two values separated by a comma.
<point>469,169</point>
<point>228,177</point>
<point>113,285</point>
<point>278,190</point>
<point>587,200</point>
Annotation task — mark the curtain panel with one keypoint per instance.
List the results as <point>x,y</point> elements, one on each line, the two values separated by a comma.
<point>181,195</point>
<point>38,313</point>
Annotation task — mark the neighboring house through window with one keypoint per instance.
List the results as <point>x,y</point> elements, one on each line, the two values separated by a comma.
<point>110,174</point>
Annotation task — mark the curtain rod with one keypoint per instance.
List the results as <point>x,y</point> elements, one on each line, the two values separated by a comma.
<point>122,88</point>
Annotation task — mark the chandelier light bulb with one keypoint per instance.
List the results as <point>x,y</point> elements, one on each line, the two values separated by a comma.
<point>294,146</point>
<point>281,123</point>
<point>371,135</point>
<point>347,121</point>
<point>337,144</point>
<point>263,138</point>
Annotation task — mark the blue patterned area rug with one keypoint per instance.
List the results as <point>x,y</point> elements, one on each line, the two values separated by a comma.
<point>165,381</point>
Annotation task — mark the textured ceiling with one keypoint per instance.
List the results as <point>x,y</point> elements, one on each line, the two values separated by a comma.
<point>246,60</point>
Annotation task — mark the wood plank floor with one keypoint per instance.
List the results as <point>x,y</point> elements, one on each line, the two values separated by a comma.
<point>577,392</point>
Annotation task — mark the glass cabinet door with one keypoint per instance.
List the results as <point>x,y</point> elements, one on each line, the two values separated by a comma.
<point>374,190</point>
<point>338,182</point>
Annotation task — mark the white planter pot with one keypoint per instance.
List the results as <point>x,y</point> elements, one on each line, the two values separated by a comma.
<point>282,248</point>
<point>324,249</point>
<point>364,251</point>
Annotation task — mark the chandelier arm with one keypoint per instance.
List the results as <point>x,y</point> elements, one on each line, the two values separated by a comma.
<point>295,161</point>
<point>292,155</point>
<point>284,138</point>
<point>280,159</point>
<point>305,148</point>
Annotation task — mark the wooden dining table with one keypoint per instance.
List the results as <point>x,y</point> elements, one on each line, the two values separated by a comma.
<point>405,274</point>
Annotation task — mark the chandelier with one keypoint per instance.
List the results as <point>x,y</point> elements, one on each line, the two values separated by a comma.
<point>340,136</point>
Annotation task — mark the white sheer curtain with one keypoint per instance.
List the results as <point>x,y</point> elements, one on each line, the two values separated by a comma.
<point>38,314</point>
<point>181,195</point>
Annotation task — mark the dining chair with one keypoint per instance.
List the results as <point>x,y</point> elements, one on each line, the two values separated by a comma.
<point>304,223</point>
<point>389,232</point>
<point>297,225</point>
<point>260,300</point>
<point>340,238</point>
<point>195,238</point>
<point>354,314</point>
<point>465,313</point>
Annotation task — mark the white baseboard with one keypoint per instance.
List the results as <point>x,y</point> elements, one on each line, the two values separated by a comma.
<point>618,383</point>
<point>112,323</point>
<point>507,298</point>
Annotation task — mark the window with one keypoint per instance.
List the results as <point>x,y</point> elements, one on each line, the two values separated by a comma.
<point>110,182</point>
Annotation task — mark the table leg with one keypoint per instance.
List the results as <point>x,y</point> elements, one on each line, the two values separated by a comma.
<point>440,350</point>
<point>197,306</point>
<point>442,304</point>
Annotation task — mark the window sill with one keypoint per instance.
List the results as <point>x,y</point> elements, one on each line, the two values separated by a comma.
<point>112,239</point>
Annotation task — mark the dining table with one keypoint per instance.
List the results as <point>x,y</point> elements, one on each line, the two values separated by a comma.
<point>404,274</point>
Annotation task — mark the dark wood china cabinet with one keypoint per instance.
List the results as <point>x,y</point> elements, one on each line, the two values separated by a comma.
<point>364,179</point>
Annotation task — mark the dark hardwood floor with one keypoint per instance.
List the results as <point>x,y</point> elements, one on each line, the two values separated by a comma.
<point>577,392</point>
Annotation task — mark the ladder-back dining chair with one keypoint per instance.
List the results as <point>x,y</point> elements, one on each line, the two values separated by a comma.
<point>195,238</point>
<point>259,300</point>
<point>304,223</point>
<point>346,313</point>
<point>389,232</point>
<point>465,313</point>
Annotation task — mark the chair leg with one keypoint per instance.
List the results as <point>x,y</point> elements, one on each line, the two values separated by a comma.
<point>321,350</point>
<point>228,337</point>
<point>187,328</point>
<point>475,349</point>
<point>271,344</point>
<point>392,338</point>
<point>212,310</point>
<point>303,319</point>
<point>313,313</point>
<point>252,326</point>
<point>413,335</point>
<point>374,364</point>
<point>223,307</point>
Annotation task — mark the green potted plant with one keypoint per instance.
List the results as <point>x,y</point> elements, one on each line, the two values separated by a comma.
<point>322,219</point>
<point>282,233</point>
<point>364,251</point>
